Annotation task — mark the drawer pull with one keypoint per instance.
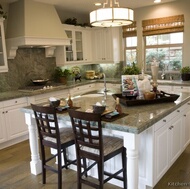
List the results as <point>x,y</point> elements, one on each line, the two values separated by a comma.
<point>178,110</point>
<point>164,120</point>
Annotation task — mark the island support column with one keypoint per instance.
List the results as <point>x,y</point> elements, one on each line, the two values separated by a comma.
<point>131,143</point>
<point>35,164</point>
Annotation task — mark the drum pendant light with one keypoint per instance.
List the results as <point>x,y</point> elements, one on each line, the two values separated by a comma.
<point>111,15</point>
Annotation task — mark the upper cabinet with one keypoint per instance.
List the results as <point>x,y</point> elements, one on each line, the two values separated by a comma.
<point>107,45</point>
<point>79,50</point>
<point>3,53</point>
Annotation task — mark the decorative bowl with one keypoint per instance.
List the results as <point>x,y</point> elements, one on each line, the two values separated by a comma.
<point>98,109</point>
<point>54,104</point>
<point>149,95</point>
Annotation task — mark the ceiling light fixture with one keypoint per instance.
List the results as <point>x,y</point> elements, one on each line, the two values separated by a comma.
<point>98,4</point>
<point>111,15</point>
<point>157,1</point>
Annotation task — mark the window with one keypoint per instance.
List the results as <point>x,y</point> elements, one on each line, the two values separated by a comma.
<point>131,50</point>
<point>130,36</point>
<point>166,49</point>
<point>164,42</point>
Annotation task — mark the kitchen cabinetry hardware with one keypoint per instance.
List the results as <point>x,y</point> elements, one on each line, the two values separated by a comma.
<point>164,120</point>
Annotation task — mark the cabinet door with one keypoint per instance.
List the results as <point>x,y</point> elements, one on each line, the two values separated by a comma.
<point>3,133</point>
<point>87,45</point>
<point>3,53</point>
<point>107,45</point>
<point>98,45</point>
<point>78,54</point>
<point>186,127</point>
<point>161,151</point>
<point>175,138</point>
<point>15,121</point>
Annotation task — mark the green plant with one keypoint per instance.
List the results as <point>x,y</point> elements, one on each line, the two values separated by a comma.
<point>185,70</point>
<point>131,70</point>
<point>58,72</point>
<point>2,13</point>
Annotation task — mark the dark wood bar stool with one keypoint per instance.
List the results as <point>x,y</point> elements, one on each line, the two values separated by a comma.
<point>51,136</point>
<point>92,145</point>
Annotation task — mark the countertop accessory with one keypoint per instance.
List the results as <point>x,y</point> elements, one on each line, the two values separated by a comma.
<point>98,109</point>
<point>54,102</point>
<point>40,81</point>
<point>163,97</point>
<point>148,95</point>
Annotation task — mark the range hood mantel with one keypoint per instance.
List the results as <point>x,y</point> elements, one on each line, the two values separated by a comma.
<point>34,24</point>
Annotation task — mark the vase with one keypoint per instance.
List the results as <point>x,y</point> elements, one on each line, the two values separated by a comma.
<point>63,80</point>
<point>185,76</point>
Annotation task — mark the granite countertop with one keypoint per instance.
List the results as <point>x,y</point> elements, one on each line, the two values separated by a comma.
<point>139,118</point>
<point>25,93</point>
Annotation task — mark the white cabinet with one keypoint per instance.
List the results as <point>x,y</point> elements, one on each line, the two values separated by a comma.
<point>3,132</point>
<point>175,134</point>
<point>161,151</point>
<point>12,120</point>
<point>186,126</point>
<point>3,53</point>
<point>168,137</point>
<point>107,45</point>
<point>79,50</point>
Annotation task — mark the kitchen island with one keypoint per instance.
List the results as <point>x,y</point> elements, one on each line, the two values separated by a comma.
<point>145,133</point>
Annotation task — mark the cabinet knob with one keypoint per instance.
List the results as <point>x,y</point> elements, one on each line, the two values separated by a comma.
<point>178,110</point>
<point>164,120</point>
<point>184,115</point>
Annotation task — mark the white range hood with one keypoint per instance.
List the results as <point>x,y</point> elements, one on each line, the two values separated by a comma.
<point>32,24</point>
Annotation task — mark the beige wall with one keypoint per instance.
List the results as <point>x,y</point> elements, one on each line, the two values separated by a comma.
<point>164,10</point>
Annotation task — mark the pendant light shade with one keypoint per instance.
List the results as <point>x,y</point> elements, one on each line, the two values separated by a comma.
<point>111,16</point>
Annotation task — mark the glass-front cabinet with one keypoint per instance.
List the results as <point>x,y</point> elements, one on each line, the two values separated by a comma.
<point>74,51</point>
<point>79,49</point>
<point>3,54</point>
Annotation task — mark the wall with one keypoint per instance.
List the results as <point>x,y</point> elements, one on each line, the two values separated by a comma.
<point>164,10</point>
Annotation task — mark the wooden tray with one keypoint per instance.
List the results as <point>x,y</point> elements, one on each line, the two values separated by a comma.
<point>161,98</point>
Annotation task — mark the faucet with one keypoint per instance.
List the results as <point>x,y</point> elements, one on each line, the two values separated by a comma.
<point>105,88</point>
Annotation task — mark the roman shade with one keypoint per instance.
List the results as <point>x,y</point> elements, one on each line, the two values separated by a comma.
<point>171,24</point>
<point>130,30</point>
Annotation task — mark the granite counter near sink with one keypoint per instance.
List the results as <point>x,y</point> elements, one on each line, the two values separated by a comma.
<point>8,95</point>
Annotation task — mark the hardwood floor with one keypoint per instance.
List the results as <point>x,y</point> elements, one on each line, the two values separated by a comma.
<point>15,172</point>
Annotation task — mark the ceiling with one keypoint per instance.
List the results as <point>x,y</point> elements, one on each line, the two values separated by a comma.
<point>86,6</point>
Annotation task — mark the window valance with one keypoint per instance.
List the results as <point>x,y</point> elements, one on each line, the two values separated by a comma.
<point>130,30</point>
<point>163,25</point>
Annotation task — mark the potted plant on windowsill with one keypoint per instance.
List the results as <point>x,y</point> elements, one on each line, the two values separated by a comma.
<point>61,75</point>
<point>185,73</point>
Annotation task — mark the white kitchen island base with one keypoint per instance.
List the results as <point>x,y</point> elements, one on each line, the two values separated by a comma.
<point>139,171</point>
<point>155,139</point>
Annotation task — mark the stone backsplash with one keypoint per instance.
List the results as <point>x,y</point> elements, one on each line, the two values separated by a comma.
<point>31,63</point>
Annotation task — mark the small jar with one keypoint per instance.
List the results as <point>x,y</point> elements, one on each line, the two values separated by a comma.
<point>69,101</point>
<point>118,106</point>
